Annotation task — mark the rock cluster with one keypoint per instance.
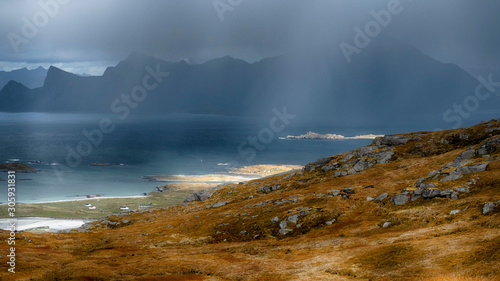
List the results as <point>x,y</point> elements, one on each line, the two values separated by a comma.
<point>464,165</point>
<point>266,189</point>
<point>286,226</point>
<point>379,152</point>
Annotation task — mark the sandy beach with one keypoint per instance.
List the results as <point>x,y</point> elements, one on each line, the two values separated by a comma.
<point>39,224</point>
<point>69,214</point>
<point>245,173</point>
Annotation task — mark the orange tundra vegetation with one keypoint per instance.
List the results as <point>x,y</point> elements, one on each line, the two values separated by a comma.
<point>407,207</point>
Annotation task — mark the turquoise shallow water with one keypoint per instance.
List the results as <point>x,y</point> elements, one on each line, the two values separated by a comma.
<point>174,144</point>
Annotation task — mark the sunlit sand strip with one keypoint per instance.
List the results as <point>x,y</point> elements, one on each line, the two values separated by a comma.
<point>43,224</point>
<point>235,175</point>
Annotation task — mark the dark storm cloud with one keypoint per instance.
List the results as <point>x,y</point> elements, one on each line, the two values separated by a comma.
<point>464,32</point>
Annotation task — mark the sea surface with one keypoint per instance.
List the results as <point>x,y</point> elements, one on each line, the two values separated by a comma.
<point>148,145</point>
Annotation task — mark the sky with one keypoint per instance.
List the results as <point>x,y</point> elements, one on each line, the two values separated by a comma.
<point>85,36</point>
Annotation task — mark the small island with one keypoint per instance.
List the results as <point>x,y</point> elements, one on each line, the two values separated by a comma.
<point>17,167</point>
<point>317,136</point>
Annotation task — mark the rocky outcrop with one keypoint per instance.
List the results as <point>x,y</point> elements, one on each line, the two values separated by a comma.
<point>201,195</point>
<point>318,163</point>
<point>466,162</point>
<point>475,168</point>
<point>217,204</point>
<point>392,140</point>
<point>354,161</point>
<point>270,188</point>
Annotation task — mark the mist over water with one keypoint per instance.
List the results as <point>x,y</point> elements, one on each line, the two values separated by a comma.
<point>145,145</point>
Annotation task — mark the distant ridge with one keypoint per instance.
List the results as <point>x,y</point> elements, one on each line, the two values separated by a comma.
<point>379,87</point>
<point>30,78</point>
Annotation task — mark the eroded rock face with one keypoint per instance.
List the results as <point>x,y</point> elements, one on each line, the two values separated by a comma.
<point>392,140</point>
<point>201,195</point>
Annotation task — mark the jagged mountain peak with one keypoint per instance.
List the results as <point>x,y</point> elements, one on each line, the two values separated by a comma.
<point>56,76</point>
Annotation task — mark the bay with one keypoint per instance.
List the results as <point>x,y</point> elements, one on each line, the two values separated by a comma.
<point>147,145</point>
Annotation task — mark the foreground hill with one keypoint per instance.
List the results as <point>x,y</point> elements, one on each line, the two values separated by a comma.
<point>417,206</point>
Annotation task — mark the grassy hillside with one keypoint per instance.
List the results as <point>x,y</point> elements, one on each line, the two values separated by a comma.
<point>419,206</point>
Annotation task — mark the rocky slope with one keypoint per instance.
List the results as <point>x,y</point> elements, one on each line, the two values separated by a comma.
<point>417,206</point>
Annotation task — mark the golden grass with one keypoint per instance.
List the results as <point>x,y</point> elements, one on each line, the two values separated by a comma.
<point>423,241</point>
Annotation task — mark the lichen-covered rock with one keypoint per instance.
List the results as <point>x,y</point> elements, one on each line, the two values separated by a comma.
<point>283,224</point>
<point>293,218</point>
<point>399,199</point>
<point>382,157</point>
<point>431,193</point>
<point>318,163</point>
<point>361,165</point>
<point>217,204</point>
<point>432,174</point>
<point>381,197</point>
<point>465,155</point>
<point>340,173</point>
<point>488,207</point>
<point>446,192</point>
<point>366,149</point>
<point>330,167</point>
<point>469,169</point>
<point>454,175</point>
<point>426,185</point>
<point>392,140</point>
<point>285,231</point>
<point>462,189</point>
<point>269,188</point>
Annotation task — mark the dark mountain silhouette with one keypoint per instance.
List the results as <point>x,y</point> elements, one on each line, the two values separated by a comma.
<point>30,78</point>
<point>387,82</point>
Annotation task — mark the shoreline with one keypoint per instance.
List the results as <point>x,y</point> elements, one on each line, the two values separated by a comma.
<point>43,224</point>
<point>173,189</point>
<point>83,199</point>
<point>245,173</point>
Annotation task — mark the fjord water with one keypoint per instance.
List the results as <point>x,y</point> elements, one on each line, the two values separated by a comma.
<point>173,144</point>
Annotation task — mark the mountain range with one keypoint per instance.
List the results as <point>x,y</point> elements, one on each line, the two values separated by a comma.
<point>31,78</point>
<point>389,82</point>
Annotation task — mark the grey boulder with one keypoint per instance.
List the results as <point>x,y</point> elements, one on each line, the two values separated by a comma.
<point>399,199</point>
<point>381,197</point>
<point>468,169</point>
<point>488,207</point>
